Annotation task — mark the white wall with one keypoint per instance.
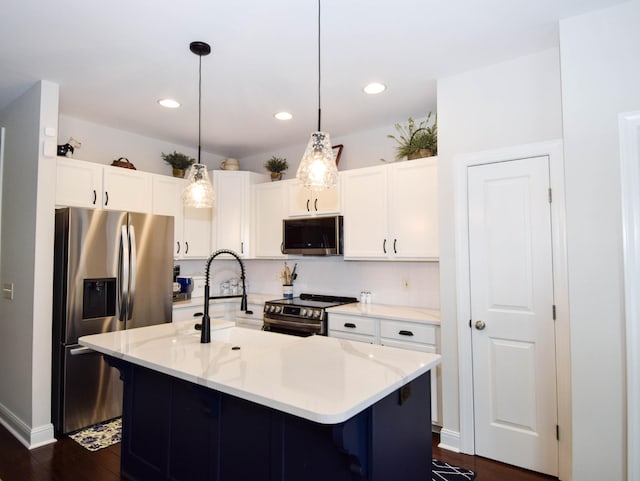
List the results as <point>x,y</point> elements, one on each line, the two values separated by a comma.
<point>334,276</point>
<point>600,79</point>
<point>103,145</point>
<point>361,149</point>
<point>511,103</point>
<point>27,262</point>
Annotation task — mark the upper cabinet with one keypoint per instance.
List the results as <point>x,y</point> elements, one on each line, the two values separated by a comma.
<point>192,227</point>
<point>269,208</point>
<point>232,211</point>
<point>87,184</point>
<point>302,201</point>
<point>391,211</point>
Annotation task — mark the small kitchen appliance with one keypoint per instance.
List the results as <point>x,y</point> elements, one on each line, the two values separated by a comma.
<point>303,316</point>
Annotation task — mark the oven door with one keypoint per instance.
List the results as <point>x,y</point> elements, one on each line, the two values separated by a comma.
<point>293,326</point>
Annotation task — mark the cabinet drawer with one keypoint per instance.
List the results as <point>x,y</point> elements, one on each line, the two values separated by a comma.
<point>408,331</point>
<point>185,313</point>
<point>354,324</point>
<point>352,336</point>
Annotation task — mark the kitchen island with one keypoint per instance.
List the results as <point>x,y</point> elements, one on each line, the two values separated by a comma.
<point>265,406</point>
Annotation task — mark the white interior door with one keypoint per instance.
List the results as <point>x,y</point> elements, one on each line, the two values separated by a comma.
<point>513,335</point>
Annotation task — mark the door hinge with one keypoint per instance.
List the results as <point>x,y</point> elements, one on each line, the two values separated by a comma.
<point>557,432</point>
<point>554,312</point>
<point>550,196</point>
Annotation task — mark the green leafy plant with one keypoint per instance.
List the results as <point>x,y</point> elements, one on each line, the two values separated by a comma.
<point>178,160</point>
<point>416,139</point>
<point>276,164</point>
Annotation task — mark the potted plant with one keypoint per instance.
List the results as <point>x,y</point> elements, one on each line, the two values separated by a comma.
<point>277,166</point>
<point>416,140</point>
<point>179,162</point>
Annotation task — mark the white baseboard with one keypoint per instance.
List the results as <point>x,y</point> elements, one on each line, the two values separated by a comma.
<point>29,437</point>
<point>449,440</point>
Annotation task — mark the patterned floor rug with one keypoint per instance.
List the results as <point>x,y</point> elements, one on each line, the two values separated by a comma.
<point>105,434</point>
<point>99,435</point>
<point>441,471</point>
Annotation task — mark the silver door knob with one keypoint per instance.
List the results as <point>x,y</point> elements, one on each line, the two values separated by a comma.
<point>480,325</point>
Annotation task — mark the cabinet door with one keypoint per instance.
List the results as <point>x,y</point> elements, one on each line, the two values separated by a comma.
<point>435,373</point>
<point>196,232</point>
<point>126,189</point>
<point>78,183</point>
<point>230,212</point>
<point>302,201</point>
<point>413,209</point>
<point>269,208</point>
<point>364,205</point>
<point>167,200</point>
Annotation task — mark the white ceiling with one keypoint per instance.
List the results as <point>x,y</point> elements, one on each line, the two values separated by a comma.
<point>113,60</point>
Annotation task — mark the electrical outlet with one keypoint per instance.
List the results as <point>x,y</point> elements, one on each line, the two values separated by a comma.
<point>405,283</point>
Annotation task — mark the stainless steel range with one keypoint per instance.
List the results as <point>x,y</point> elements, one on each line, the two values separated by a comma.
<point>301,316</point>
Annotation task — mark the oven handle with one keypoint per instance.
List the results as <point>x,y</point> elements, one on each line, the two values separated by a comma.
<point>316,327</point>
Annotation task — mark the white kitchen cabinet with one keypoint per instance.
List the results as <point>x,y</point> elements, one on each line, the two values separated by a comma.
<point>354,328</point>
<point>195,310</point>
<point>232,212</point>
<point>86,184</point>
<point>252,318</point>
<point>192,227</point>
<point>416,337</point>
<point>269,208</point>
<point>403,334</point>
<point>78,183</point>
<point>126,189</point>
<point>391,211</point>
<point>303,201</point>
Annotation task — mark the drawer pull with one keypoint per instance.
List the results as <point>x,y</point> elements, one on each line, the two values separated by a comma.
<point>405,333</point>
<point>350,325</point>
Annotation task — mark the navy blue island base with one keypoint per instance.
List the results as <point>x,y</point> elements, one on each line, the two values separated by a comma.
<point>180,431</point>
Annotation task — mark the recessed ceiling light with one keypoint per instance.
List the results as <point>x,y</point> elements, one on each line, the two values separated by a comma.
<point>283,116</point>
<point>169,103</point>
<point>374,88</point>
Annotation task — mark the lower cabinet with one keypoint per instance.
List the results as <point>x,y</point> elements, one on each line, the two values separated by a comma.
<point>416,336</point>
<point>252,318</point>
<point>195,312</point>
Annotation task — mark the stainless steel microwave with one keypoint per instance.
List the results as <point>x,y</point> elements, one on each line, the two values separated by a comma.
<point>313,236</point>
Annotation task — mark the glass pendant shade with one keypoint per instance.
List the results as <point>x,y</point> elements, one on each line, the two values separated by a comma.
<point>318,170</point>
<point>199,191</point>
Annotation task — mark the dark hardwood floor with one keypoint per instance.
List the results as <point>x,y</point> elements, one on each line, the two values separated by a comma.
<point>66,460</point>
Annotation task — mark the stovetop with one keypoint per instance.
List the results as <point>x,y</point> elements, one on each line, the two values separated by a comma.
<point>318,301</point>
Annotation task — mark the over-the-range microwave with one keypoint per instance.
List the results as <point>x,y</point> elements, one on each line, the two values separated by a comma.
<point>313,236</point>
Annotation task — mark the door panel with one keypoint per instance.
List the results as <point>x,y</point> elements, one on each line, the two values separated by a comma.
<point>513,333</point>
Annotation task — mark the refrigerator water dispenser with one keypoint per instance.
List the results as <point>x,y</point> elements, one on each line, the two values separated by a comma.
<point>99,298</point>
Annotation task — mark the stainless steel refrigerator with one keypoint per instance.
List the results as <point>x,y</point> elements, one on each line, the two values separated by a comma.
<point>112,271</point>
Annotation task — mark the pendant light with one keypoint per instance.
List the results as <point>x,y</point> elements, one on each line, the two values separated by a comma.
<point>318,170</point>
<point>198,192</point>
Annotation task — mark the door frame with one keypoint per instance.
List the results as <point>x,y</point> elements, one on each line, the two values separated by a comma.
<point>629,126</point>
<point>553,150</point>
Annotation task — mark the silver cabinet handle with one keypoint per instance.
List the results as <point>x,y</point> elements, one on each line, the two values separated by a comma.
<point>480,325</point>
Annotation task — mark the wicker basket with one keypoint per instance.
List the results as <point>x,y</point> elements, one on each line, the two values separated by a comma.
<point>124,163</point>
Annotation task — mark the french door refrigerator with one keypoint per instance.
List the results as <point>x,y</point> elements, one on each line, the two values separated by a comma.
<point>112,271</point>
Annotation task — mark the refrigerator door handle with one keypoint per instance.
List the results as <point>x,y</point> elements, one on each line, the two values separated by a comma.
<point>132,266</point>
<point>123,272</point>
<point>81,350</point>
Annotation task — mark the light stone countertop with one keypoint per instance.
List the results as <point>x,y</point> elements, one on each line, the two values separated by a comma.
<point>401,313</point>
<point>322,379</point>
